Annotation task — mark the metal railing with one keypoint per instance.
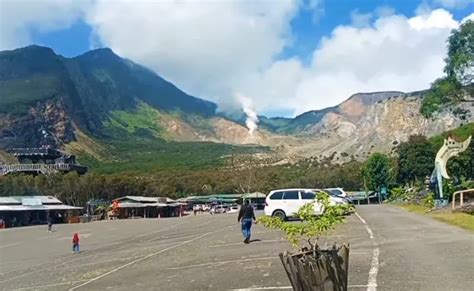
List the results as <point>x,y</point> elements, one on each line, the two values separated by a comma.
<point>461,197</point>
<point>41,168</point>
<point>35,152</point>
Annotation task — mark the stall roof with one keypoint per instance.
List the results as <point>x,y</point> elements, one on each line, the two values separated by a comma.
<point>131,205</point>
<point>145,199</point>
<point>155,204</point>
<point>142,199</point>
<point>19,200</point>
<point>38,207</point>
<point>224,198</point>
<point>176,204</point>
<point>254,195</point>
<point>186,199</point>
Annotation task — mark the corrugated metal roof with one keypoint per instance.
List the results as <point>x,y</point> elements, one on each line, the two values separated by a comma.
<point>9,200</point>
<point>139,198</point>
<point>156,204</point>
<point>131,205</point>
<point>174,204</point>
<point>254,195</point>
<point>39,207</point>
<point>142,198</point>
<point>145,199</point>
<point>18,199</point>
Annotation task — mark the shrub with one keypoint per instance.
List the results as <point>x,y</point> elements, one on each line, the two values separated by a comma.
<point>428,201</point>
<point>311,226</point>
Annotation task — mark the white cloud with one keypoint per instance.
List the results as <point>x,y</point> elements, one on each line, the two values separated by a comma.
<point>469,17</point>
<point>217,49</point>
<point>393,53</point>
<point>19,18</point>
<point>203,47</point>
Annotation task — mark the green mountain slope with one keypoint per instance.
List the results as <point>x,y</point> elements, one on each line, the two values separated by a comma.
<point>40,89</point>
<point>30,75</point>
<point>108,110</point>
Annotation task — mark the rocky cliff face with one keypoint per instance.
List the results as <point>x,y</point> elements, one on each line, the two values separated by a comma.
<point>46,123</point>
<point>379,127</point>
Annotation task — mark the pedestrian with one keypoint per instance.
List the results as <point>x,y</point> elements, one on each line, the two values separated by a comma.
<point>75,243</point>
<point>50,224</point>
<point>246,215</point>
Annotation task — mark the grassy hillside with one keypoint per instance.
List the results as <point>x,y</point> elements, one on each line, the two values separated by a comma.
<point>17,95</point>
<point>139,155</point>
<point>143,121</point>
<point>460,133</point>
<point>27,76</point>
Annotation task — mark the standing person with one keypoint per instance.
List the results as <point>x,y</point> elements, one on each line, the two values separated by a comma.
<point>50,223</point>
<point>246,215</point>
<point>75,243</point>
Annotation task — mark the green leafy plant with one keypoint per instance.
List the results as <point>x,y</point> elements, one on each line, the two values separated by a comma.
<point>397,194</point>
<point>428,201</point>
<point>457,83</point>
<point>311,225</point>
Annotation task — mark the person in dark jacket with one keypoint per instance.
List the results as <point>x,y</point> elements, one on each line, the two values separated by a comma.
<point>50,223</point>
<point>246,215</point>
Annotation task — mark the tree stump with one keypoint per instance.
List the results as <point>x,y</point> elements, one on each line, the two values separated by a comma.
<point>318,269</point>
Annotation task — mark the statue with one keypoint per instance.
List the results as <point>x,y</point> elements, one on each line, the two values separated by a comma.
<point>450,148</point>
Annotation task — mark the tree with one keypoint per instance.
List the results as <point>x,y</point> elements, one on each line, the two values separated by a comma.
<point>314,268</point>
<point>459,69</point>
<point>415,159</point>
<point>377,171</point>
<point>460,59</point>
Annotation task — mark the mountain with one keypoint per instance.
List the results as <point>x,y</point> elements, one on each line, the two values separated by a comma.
<point>106,108</point>
<point>44,95</point>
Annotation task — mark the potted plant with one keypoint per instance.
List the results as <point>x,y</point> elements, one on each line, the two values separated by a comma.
<point>312,267</point>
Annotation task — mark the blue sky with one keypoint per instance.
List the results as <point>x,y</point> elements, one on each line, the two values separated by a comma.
<point>271,53</point>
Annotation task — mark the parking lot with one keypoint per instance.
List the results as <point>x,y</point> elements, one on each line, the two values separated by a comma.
<point>191,253</point>
<point>205,252</point>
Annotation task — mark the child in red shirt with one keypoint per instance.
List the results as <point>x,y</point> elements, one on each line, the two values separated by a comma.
<point>75,243</point>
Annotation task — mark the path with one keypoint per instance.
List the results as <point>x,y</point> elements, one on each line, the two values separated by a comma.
<point>417,252</point>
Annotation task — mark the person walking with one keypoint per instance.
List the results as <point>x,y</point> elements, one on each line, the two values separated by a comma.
<point>246,215</point>
<point>75,243</point>
<point>50,223</point>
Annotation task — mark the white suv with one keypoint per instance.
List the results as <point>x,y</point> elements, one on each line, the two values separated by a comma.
<point>285,203</point>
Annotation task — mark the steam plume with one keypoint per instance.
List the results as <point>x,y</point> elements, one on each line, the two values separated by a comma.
<point>252,119</point>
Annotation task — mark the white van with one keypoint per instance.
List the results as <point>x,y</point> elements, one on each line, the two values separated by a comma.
<point>285,203</point>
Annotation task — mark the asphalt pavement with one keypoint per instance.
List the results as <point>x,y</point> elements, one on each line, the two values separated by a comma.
<point>391,249</point>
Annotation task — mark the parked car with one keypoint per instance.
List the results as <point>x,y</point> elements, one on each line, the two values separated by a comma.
<point>285,203</point>
<point>339,192</point>
<point>233,209</point>
<point>218,209</point>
